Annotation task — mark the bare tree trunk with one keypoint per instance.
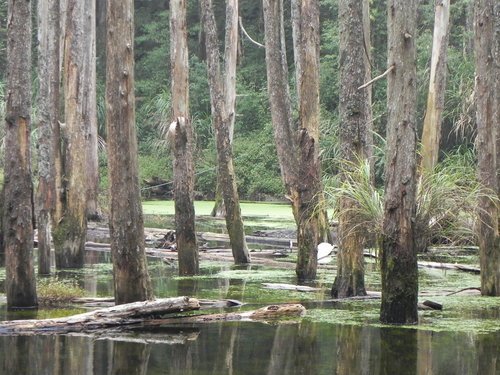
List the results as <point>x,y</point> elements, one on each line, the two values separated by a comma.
<point>223,118</point>
<point>431,134</point>
<point>187,246</point>
<point>20,282</point>
<point>487,127</point>
<point>90,110</point>
<point>48,64</point>
<point>126,224</point>
<point>298,148</point>
<point>355,124</point>
<point>70,231</point>
<point>399,258</point>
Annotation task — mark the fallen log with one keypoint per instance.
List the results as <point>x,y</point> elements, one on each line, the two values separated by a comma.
<point>125,315</point>
<point>449,266</point>
<point>298,288</point>
<point>267,313</point>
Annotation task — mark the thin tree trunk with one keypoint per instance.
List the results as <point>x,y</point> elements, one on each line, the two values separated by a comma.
<point>487,126</point>
<point>185,231</point>
<point>355,119</point>
<point>90,111</point>
<point>70,231</point>
<point>20,285</point>
<point>223,116</point>
<point>126,224</point>
<point>399,258</point>
<point>48,63</point>
<point>431,134</point>
<point>298,148</point>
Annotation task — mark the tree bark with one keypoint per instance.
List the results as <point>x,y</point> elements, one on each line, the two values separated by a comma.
<point>431,133</point>
<point>223,112</point>
<point>487,128</point>
<point>90,111</point>
<point>70,231</point>
<point>355,116</point>
<point>18,196</point>
<point>298,147</point>
<point>185,231</point>
<point>126,223</point>
<point>399,259</point>
<point>49,73</point>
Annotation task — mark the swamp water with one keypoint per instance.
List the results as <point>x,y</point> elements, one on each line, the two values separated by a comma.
<point>333,338</point>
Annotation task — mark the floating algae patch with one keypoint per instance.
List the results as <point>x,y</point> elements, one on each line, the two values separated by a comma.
<point>360,313</point>
<point>477,315</point>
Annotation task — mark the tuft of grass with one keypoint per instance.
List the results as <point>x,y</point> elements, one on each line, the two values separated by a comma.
<point>55,292</point>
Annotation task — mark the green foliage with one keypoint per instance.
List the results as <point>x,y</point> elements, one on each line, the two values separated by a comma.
<point>256,166</point>
<point>446,200</point>
<point>158,165</point>
<point>53,291</point>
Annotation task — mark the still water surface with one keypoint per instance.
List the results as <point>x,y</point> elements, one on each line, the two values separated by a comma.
<point>310,346</point>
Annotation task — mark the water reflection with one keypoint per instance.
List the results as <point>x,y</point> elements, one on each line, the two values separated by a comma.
<point>255,348</point>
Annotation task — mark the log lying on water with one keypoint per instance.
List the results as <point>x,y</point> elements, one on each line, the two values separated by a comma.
<point>449,266</point>
<point>267,313</point>
<point>129,314</point>
<point>142,315</point>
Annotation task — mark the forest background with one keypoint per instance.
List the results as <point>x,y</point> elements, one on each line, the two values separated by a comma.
<point>256,163</point>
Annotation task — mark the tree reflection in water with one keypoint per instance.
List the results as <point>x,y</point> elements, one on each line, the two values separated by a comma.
<point>254,348</point>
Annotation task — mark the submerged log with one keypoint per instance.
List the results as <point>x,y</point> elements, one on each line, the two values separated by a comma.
<point>129,314</point>
<point>449,266</point>
<point>267,313</point>
<point>143,315</point>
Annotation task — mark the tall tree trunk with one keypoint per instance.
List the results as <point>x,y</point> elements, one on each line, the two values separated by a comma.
<point>223,112</point>
<point>48,71</point>
<point>431,133</point>
<point>399,258</point>
<point>90,110</point>
<point>298,148</point>
<point>487,128</point>
<point>18,196</point>
<point>185,231</point>
<point>126,223</point>
<point>70,231</point>
<point>355,125</point>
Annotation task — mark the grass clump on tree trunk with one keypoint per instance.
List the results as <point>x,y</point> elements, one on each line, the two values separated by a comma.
<point>446,201</point>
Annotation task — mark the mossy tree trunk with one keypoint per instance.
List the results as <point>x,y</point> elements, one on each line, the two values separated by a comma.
<point>185,231</point>
<point>399,258</point>
<point>126,223</point>
<point>355,145</point>
<point>20,282</point>
<point>48,104</point>
<point>298,146</point>
<point>487,119</point>
<point>222,96</point>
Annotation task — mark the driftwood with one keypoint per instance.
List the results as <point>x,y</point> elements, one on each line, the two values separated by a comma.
<point>143,315</point>
<point>298,288</point>
<point>450,266</point>
<point>267,313</point>
<point>129,314</point>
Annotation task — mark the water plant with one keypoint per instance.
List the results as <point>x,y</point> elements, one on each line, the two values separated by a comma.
<point>53,291</point>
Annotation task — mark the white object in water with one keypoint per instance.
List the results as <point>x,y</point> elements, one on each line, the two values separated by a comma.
<point>324,250</point>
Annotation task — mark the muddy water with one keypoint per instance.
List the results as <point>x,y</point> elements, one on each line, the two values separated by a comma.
<point>334,338</point>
